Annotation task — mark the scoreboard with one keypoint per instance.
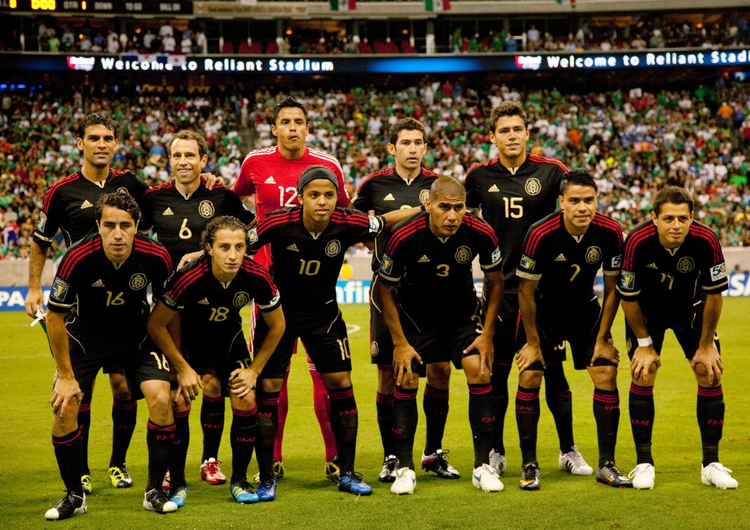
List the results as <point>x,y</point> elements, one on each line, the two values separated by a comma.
<point>101,7</point>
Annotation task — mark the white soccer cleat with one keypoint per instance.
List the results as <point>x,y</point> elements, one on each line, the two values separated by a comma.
<point>714,474</point>
<point>643,476</point>
<point>497,462</point>
<point>485,477</point>
<point>573,461</point>
<point>405,481</point>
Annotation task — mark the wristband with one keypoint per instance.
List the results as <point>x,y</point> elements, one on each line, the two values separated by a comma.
<point>648,341</point>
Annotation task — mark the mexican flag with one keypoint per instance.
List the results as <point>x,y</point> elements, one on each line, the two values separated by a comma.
<point>437,5</point>
<point>343,5</point>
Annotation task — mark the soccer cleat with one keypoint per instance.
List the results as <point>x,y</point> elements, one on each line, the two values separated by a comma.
<point>390,466</point>
<point>497,462</point>
<point>530,477</point>
<point>485,477</point>
<point>211,472</point>
<point>610,475</point>
<point>278,469</point>
<point>67,507</point>
<point>352,482</point>
<point>86,484</point>
<point>717,475</point>
<point>166,484</point>
<point>438,462</point>
<point>643,476</point>
<point>242,492</point>
<point>157,501</point>
<point>332,470</point>
<point>120,477</point>
<point>574,462</point>
<point>405,481</point>
<point>266,491</point>
<point>178,495</point>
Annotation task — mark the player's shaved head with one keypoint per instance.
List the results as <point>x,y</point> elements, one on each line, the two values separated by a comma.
<point>446,187</point>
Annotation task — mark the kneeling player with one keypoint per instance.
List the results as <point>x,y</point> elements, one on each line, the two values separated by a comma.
<point>429,257</point>
<point>108,274</point>
<point>561,256</point>
<point>209,294</point>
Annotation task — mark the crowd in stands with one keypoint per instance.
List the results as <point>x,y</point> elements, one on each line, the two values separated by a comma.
<point>634,142</point>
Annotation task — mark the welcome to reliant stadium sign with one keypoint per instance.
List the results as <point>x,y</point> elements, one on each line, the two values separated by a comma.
<point>309,64</point>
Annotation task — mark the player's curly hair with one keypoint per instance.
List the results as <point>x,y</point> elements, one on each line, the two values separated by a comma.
<point>406,124</point>
<point>577,177</point>
<point>672,195</point>
<point>96,118</point>
<point>120,200</point>
<point>223,222</point>
<point>288,103</point>
<point>506,108</point>
<point>190,135</point>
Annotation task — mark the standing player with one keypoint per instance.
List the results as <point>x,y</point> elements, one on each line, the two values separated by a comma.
<point>404,186</point>
<point>561,256</point>
<point>69,206</point>
<point>673,274</point>
<point>178,212</point>
<point>309,243</point>
<point>439,319</point>
<point>209,294</point>
<point>270,175</point>
<point>514,191</point>
<point>106,276</point>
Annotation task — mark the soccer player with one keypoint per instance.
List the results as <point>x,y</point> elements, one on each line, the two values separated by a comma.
<point>514,190</point>
<point>308,243</point>
<point>106,276</point>
<point>403,186</point>
<point>209,294</point>
<point>438,318</point>
<point>673,274</point>
<point>561,256</point>
<point>270,175</point>
<point>69,206</point>
<point>178,212</point>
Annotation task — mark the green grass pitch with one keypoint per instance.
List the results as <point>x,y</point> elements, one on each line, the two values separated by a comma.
<point>30,483</point>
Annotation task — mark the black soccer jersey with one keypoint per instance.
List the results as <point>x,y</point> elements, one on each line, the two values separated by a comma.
<point>305,268</point>
<point>179,221</point>
<point>210,310</point>
<point>566,266</point>
<point>385,191</point>
<point>112,302</point>
<point>512,202</point>
<point>434,275</point>
<point>69,204</point>
<point>666,283</point>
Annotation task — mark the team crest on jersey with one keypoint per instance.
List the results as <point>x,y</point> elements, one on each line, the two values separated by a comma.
<point>138,281</point>
<point>423,196</point>
<point>527,263</point>
<point>206,209</point>
<point>60,289</point>
<point>41,222</point>
<point>463,255</point>
<point>685,265</point>
<point>405,207</point>
<point>333,248</point>
<point>593,255</point>
<point>374,349</point>
<point>386,265</point>
<point>627,280</point>
<point>533,186</point>
<point>123,190</point>
<point>241,299</point>
<point>718,272</point>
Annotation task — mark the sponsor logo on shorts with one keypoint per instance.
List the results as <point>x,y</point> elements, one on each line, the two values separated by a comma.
<point>533,186</point>
<point>718,272</point>
<point>333,248</point>
<point>685,265</point>
<point>138,281</point>
<point>206,209</point>
<point>374,349</point>
<point>60,289</point>
<point>593,255</point>
<point>241,299</point>
<point>463,255</point>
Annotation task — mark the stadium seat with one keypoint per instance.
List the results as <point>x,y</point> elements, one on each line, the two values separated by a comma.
<point>244,47</point>
<point>364,47</point>
<point>272,48</point>
<point>228,47</point>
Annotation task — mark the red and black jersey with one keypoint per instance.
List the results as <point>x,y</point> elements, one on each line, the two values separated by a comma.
<point>565,265</point>
<point>69,204</point>
<point>673,282</point>
<point>512,201</point>
<point>179,221</point>
<point>433,274</point>
<point>385,191</point>
<point>111,301</point>
<point>306,266</point>
<point>210,309</point>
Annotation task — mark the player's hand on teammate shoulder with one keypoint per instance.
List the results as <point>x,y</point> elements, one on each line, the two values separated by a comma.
<point>210,180</point>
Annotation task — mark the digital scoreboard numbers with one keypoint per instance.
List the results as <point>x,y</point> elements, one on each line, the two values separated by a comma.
<point>116,7</point>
